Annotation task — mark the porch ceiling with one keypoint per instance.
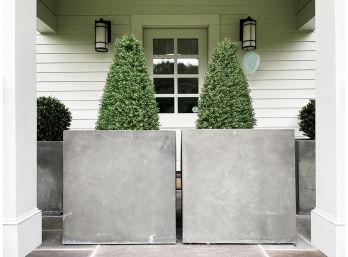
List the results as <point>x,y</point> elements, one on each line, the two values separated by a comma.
<point>46,20</point>
<point>47,14</point>
<point>306,15</point>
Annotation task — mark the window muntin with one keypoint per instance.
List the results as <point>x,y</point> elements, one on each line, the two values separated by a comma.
<point>175,71</point>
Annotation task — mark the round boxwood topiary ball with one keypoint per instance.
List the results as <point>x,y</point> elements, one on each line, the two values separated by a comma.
<point>52,119</point>
<point>307,119</point>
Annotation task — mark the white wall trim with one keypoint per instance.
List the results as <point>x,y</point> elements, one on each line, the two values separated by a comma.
<point>328,223</point>
<point>21,221</point>
<point>327,233</point>
<point>2,121</point>
<point>211,22</point>
<point>23,234</point>
<point>22,218</point>
<point>328,217</point>
<point>346,126</point>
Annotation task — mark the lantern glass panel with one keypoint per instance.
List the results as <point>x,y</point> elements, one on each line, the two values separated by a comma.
<point>248,34</point>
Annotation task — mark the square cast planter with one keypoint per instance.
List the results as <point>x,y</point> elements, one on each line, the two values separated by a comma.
<point>305,171</point>
<point>119,187</point>
<point>50,177</point>
<point>239,186</point>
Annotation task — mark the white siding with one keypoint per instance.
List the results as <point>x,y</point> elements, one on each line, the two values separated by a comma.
<point>70,69</point>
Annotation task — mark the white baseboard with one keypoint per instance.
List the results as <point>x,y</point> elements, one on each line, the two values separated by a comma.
<point>327,233</point>
<point>22,234</point>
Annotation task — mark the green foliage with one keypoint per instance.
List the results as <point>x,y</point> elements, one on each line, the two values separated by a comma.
<point>225,100</point>
<point>128,102</point>
<point>307,119</point>
<point>52,119</point>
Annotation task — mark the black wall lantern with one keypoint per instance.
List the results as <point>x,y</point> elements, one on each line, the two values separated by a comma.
<point>102,35</point>
<point>248,33</point>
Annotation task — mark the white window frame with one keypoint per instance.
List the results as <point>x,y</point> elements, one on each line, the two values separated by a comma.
<point>210,22</point>
<point>176,119</point>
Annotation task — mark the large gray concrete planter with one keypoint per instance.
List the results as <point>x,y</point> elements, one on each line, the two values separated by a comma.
<point>239,186</point>
<point>119,187</point>
<point>50,177</point>
<point>305,175</point>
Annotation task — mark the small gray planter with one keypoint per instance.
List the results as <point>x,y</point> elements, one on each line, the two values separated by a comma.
<point>119,187</point>
<point>50,177</point>
<point>305,175</point>
<point>239,186</point>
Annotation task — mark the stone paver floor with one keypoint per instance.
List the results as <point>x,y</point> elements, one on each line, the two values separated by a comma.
<point>51,247</point>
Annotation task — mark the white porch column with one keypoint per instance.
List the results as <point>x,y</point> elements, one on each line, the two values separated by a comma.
<point>328,218</point>
<point>21,218</point>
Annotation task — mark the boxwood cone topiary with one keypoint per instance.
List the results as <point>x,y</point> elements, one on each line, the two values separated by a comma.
<point>307,119</point>
<point>225,102</point>
<point>128,102</point>
<point>52,119</point>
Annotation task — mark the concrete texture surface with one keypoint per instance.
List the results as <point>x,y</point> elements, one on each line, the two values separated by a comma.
<point>305,171</point>
<point>52,222</point>
<point>303,224</point>
<point>238,186</point>
<point>119,187</point>
<point>52,246</point>
<point>50,176</point>
<point>52,240</point>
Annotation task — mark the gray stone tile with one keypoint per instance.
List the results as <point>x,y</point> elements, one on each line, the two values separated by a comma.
<point>179,250</point>
<point>62,253</point>
<point>289,253</point>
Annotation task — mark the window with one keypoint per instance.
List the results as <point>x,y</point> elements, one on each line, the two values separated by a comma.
<point>175,69</point>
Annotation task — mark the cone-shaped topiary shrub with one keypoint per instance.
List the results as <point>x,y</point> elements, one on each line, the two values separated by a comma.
<point>128,102</point>
<point>307,119</point>
<point>52,119</point>
<point>225,100</point>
